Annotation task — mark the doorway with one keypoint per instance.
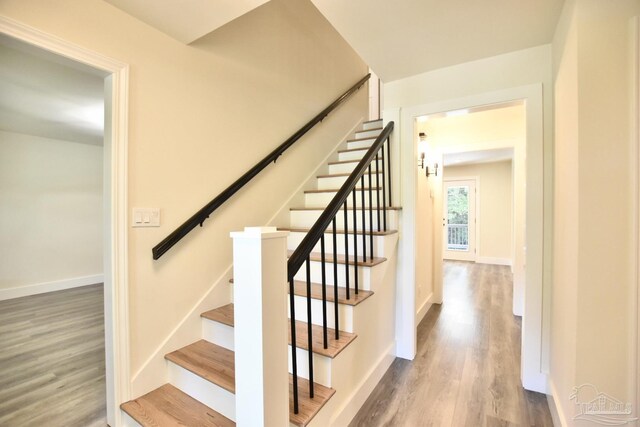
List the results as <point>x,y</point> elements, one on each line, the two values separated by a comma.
<point>459,220</point>
<point>527,299</point>
<point>114,224</point>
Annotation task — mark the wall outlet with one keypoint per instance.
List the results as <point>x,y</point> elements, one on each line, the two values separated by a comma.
<point>146,217</point>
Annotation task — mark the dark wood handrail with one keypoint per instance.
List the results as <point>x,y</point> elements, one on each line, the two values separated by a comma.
<point>305,247</point>
<point>199,217</point>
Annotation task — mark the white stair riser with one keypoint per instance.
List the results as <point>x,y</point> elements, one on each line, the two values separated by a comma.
<point>127,421</point>
<point>212,395</point>
<point>337,181</point>
<point>294,239</point>
<point>351,155</point>
<point>367,133</point>
<point>364,275</point>
<point>348,168</point>
<point>218,334</point>
<point>372,125</point>
<point>306,219</point>
<point>321,200</point>
<point>361,143</point>
<point>345,313</point>
<point>321,366</point>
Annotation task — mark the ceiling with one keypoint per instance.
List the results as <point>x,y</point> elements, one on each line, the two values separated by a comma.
<point>396,38</point>
<point>45,95</point>
<point>407,37</point>
<point>186,20</point>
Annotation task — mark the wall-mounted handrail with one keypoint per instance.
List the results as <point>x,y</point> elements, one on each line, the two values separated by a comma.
<point>199,217</point>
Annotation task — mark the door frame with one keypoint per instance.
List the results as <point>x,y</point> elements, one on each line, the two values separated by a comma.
<point>476,213</point>
<point>116,239</point>
<point>535,338</point>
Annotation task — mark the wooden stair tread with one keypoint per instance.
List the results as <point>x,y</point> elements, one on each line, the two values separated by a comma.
<point>335,190</point>
<point>222,314</point>
<point>349,150</point>
<point>350,208</point>
<point>363,138</point>
<point>167,406</point>
<point>370,262</point>
<point>218,360</point>
<point>300,289</point>
<point>367,130</point>
<point>334,346</point>
<point>340,162</point>
<point>328,231</point>
<point>372,121</point>
<point>214,363</point>
<point>340,175</point>
<point>307,407</point>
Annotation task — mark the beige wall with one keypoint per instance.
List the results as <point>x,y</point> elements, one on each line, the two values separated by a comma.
<point>50,210</point>
<point>593,326</point>
<point>199,117</point>
<point>495,203</point>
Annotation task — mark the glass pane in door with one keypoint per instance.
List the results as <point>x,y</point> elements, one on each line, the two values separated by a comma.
<point>458,218</point>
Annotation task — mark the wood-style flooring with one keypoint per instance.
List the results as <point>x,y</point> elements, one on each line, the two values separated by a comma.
<point>52,366</point>
<point>467,368</point>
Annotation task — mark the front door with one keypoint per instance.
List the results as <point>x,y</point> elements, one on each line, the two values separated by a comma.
<point>460,220</point>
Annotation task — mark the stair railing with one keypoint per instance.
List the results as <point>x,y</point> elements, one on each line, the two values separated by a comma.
<point>203,214</point>
<point>382,158</point>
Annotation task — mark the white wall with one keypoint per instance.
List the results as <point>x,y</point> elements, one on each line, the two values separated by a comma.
<point>51,212</point>
<point>495,203</point>
<point>594,295</point>
<point>199,117</point>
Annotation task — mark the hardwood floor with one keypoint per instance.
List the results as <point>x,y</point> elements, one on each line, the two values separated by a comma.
<point>52,367</point>
<point>467,367</point>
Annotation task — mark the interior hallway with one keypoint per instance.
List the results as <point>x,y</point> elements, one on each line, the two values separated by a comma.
<point>52,359</point>
<point>467,368</point>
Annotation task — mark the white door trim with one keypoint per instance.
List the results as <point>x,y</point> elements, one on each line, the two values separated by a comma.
<point>534,339</point>
<point>476,215</point>
<point>116,314</point>
<point>634,353</point>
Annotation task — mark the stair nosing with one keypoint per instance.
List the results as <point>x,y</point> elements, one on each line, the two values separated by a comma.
<point>367,130</point>
<point>330,298</point>
<point>360,232</point>
<point>303,344</point>
<point>335,190</point>
<point>358,208</point>
<point>341,162</point>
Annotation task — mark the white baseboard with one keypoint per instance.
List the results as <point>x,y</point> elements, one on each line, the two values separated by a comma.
<point>58,285</point>
<point>364,389</point>
<point>422,311</point>
<point>557,414</point>
<point>493,260</point>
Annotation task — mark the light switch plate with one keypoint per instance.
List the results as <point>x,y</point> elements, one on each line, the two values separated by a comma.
<point>146,217</point>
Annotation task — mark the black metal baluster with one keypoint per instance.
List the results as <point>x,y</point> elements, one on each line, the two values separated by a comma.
<point>346,247</point>
<point>335,279</point>
<point>355,242</point>
<point>364,222</point>
<point>294,358</point>
<point>324,293</point>
<point>370,214</point>
<point>384,194</point>
<point>389,168</point>
<point>309,329</point>
<point>377,191</point>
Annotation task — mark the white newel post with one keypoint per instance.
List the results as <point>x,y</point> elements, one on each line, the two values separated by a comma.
<point>261,332</point>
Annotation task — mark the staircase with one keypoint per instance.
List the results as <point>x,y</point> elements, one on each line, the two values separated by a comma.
<point>202,374</point>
